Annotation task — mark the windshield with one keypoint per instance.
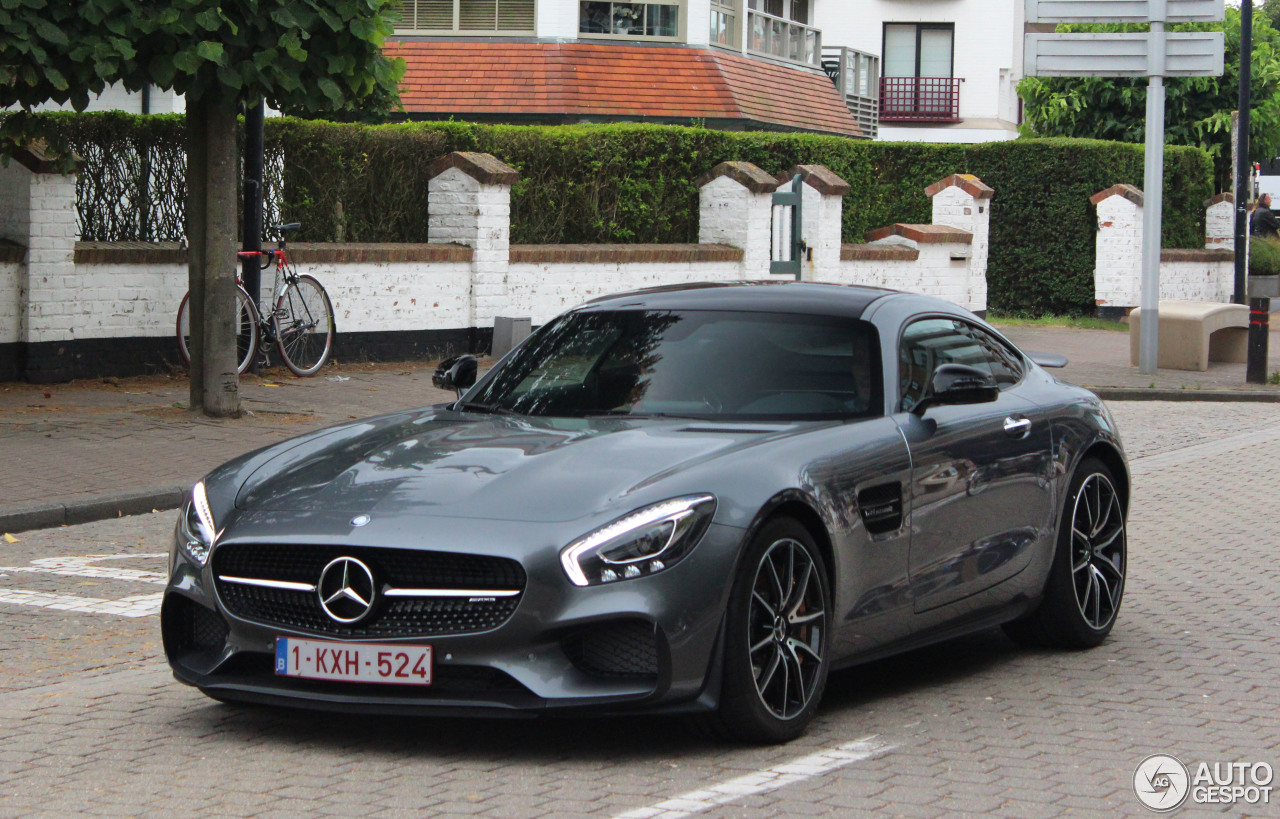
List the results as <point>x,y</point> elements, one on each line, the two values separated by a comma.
<point>698,363</point>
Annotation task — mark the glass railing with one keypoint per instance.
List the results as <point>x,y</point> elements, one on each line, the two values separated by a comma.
<point>777,37</point>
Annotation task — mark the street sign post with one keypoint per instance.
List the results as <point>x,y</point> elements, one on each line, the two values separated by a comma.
<point>1121,11</point>
<point>1155,55</point>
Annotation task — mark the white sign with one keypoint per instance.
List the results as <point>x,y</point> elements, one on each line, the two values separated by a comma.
<point>1187,54</point>
<point>1122,11</point>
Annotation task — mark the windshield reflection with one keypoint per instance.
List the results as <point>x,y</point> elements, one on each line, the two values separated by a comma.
<point>703,364</point>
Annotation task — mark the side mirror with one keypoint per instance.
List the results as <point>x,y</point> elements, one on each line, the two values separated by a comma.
<point>457,373</point>
<point>959,384</point>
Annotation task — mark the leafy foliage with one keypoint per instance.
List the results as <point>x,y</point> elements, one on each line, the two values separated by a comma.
<point>1197,109</point>
<point>1264,256</point>
<point>311,55</point>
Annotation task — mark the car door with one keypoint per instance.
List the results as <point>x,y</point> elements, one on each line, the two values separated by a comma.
<point>980,490</point>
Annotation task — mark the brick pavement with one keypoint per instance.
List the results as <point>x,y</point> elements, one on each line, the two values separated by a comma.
<point>974,725</point>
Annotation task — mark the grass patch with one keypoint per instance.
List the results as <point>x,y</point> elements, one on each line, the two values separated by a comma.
<point>1079,322</point>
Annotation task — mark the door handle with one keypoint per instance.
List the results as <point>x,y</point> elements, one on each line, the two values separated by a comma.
<point>1017,427</point>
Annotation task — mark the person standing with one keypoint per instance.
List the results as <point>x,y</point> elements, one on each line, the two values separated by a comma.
<point>1263,222</point>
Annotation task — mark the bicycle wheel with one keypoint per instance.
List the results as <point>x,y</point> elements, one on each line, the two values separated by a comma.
<point>246,330</point>
<point>304,326</point>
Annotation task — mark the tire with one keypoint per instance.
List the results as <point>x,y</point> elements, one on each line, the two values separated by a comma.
<point>775,664</point>
<point>1086,582</point>
<point>246,333</point>
<point>304,326</point>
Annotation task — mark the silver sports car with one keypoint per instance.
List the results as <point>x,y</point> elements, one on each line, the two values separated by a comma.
<point>694,499</point>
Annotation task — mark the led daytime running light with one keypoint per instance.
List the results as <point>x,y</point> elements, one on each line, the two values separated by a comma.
<point>204,514</point>
<point>674,510</point>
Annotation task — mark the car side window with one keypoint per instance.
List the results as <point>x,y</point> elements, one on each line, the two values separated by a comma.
<point>929,343</point>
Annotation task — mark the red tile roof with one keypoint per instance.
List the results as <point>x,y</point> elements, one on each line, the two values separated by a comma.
<point>614,80</point>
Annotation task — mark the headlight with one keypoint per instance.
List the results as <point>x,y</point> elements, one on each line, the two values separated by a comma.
<point>642,543</point>
<point>198,532</point>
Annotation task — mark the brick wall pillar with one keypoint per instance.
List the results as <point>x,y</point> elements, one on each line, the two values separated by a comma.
<point>820,217</point>
<point>963,201</point>
<point>469,203</point>
<point>1220,222</point>
<point>38,211</point>
<point>736,208</point>
<point>1117,273</point>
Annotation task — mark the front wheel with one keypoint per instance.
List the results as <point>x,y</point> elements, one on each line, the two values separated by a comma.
<point>246,330</point>
<point>776,637</point>
<point>304,326</point>
<point>1086,582</point>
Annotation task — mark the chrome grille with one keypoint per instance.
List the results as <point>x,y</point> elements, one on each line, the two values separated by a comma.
<point>421,615</point>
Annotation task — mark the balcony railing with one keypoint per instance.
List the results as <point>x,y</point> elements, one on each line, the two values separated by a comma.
<point>857,78</point>
<point>776,37</point>
<point>920,99</point>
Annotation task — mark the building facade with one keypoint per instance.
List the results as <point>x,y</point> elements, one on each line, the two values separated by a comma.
<point>927,70</point>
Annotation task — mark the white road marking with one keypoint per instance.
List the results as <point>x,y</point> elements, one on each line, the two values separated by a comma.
<point>140,605</point>
<point>82,567</point>
<point>780,776</point>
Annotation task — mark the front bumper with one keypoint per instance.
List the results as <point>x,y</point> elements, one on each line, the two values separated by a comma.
<point>645,643</point>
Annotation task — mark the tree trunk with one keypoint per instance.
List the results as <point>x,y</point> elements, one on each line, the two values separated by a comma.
<point>221,381</point>
<point>197,188</point>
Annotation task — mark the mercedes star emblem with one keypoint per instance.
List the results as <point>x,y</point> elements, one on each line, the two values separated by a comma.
<point>346,590</point>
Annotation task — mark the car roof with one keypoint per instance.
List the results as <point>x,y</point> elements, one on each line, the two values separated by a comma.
<point>753,296</point>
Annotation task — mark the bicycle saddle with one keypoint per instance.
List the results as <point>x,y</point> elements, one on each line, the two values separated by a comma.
<point>291,227</point>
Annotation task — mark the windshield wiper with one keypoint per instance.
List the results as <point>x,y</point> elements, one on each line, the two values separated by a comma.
<point>475,406</point>
<point>627,414</point>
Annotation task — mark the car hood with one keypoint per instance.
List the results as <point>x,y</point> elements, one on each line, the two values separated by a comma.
<point>447,464</point>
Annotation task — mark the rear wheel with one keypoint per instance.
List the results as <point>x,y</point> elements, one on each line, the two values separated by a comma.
<point>246,330</point>
<point>304,326</point>
<point>1086,583</point>
<point>776,638</point>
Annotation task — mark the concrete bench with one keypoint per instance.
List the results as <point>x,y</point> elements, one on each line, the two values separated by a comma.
<point>1193,333</point>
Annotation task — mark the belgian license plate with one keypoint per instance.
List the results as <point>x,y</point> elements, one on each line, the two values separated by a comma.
<point>353,662</point>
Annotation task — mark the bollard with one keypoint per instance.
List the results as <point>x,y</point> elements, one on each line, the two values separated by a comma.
<point>1259,331</point>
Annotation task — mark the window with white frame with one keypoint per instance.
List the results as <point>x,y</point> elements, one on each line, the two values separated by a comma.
<point>657,19</point>
<point>724,22</point>
<point>781,28</point>
<point>465,17</point>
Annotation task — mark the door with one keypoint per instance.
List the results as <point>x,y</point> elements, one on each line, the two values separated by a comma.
<point>980,492</point>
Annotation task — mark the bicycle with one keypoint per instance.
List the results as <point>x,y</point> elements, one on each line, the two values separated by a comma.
<point>301,323</point>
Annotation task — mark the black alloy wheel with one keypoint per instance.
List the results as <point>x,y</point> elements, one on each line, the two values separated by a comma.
<point>1086,583</point>
<point>777,635</point>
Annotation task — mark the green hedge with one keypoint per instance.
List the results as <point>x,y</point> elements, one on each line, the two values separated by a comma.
<point>636,183</point>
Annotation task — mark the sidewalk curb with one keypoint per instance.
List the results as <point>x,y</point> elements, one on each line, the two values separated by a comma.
<point>1151,394</point>
<point>23,517</point>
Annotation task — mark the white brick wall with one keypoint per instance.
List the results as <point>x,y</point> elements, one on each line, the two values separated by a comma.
<point>954,207</point>
<point>1118,249</point>
<point>820,229</point>
<point>479,216</point>
<point>1196,281</point>
<point>1118,264</point>
<point>935,273</point>
<point>729,214</point>
<point>374,297</point>
<point>1220,226</point>
<point>543,291</point>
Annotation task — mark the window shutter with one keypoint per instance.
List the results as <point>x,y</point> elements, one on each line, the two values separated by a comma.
<point>432,15</point>
<point>477,15</point>
<point>515,15</point>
